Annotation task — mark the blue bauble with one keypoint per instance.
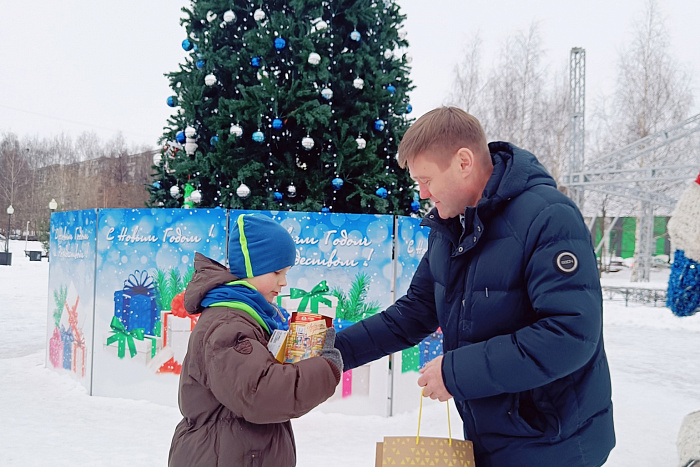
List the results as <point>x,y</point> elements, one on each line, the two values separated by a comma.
<point>258,137</point>
<point>355,35</point>
<point>172,101</point>
<point>391,89</point>
<point>381,192</point>
<point>214,139</point>
<point>278,196</point>
<point>409,108</point>
<point>324,209</point>
<point>280,43</point>
<point>180,137</point>
<point>337,183</point>
<point>277,124</point>
<point>187,45</point>
<point>415,206</point>
<point>255,61</point>
<point>379,124</point>
<point>156,185</point>
<point>200,64</point>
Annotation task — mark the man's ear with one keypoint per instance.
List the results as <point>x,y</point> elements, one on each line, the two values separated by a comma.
<point>465,158</point>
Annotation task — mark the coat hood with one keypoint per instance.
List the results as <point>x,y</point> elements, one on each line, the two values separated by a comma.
<point>208,274</point>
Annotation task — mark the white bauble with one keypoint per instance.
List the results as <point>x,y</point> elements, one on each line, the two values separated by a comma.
<point>243,191</point>
<point>408,58</point>
<point>196,196</point>
<point>314,58</point>
<point>321,26</point>
<point>175,191</point>
<point>210,80</point>
<point>236,130</point>
<point>259,15</point>
<point>291,191</point>
<point>359,83</point>
<point>327,93</point>
<point>190,132</point>
<point>229,16</point>
<point>361,143</point>
<point>307,142</point>
<point>388,54</point>
<point>157,158</point>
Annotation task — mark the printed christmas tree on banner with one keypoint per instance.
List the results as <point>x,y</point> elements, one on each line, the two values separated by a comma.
<point>295,105</point>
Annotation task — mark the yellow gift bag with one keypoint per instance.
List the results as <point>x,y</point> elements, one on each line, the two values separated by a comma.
<point>438,452</point>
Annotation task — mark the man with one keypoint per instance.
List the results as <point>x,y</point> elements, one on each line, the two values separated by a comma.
<point>511,278</point>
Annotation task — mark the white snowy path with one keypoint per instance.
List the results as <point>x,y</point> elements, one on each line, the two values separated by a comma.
<point>48,419</point>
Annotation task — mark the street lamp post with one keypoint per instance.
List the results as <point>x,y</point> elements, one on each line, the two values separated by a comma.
<point>10,211</point>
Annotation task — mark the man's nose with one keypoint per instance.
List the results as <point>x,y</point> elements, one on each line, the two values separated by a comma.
<point>423,191</point>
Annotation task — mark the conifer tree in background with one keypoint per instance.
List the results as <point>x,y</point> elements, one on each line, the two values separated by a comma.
<point>288,105</point>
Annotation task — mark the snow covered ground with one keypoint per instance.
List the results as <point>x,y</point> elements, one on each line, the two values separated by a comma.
<point>48,418</point>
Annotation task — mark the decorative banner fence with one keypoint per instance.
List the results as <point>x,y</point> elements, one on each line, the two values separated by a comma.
<point>116,323</point>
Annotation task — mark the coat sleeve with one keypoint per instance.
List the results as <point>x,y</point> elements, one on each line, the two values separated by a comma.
<point>245,377</point>
<point>567,307</point>
<point>402,325</point>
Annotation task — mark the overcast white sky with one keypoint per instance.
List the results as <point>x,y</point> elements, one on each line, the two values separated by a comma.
<point>82,65</point>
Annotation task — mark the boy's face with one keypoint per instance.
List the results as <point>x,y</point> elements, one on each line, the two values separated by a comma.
<point>270,285</point>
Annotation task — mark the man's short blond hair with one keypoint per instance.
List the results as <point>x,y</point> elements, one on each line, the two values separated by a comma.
<point>443,130</point>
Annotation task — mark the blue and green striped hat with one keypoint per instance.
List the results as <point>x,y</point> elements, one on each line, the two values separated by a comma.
<point>258,245</point>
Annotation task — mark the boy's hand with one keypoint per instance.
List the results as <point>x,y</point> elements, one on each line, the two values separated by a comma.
<point>329,351</point>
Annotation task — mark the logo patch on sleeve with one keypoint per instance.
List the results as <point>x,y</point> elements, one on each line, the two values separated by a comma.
<point>244,347</point>
<point>566,262</point>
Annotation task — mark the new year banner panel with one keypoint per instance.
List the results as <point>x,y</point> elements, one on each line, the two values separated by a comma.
<point>71,293</point>
<point>144,261</point>
<point>411,245</point>
<point>343,261</point>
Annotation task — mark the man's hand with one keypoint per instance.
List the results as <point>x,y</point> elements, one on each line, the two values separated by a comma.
<point>431,380</point>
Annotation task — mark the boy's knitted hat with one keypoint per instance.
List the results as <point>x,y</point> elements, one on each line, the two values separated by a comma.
<point>258,245</point>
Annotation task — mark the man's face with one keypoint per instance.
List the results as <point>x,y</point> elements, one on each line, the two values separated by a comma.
<point>444,184</point>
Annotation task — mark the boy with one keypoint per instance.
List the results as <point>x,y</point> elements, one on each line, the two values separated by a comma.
<point>236,399</point>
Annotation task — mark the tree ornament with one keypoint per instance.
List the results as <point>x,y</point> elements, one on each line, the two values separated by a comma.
<point>172,101</point>
<point>277,123</point>
<point>355,35</point>
<point>187,200</point>
<point>280,43</point>
<point>175,191</point>
<point>358,83</point>
<point>157,158</point>
<point>381,192</point>
<point>259,15</point>
<point>291,191</point>
<point>190,132</point>
<point>327,93</point>
<point>402,35</point>
<point>199,64</point>
<point>388,54</point>
<point>258,136</point>
<point>307,142</point>
<point>255,61</point>
<point>325,210</point>
<point>391,89</point>
<point>230,16</point>
<point>337,183</point>
<point>361,143</point>
<point>379,124</point>
<point>157,185</point>
<point>210,80</point>
<point>243,191</point>
<point>236,130</point>
<point>409,108</point>
<point>211,16</point>
<point>180,137</point>
<point>278,196</point>
<point>213,140</point>
<point>415,206</point>
<point>190,146</point>
<point>314,58</point>
<point>320,25</point>
<point>196,196</point>
<point>408,58</point>
<point>187,45</point>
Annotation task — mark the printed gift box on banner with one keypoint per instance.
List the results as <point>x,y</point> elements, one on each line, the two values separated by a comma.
<point>67,339</point>
<point>78,364</point>
<point>135,305</point>
<point>132,344</point>
<point>317,300</point>
<point>176,333</point>
<point>56,349</point>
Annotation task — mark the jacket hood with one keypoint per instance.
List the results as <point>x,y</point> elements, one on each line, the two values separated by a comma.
<point>208,274</point>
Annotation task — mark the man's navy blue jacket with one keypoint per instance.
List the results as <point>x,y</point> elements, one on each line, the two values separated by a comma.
<point>517,295</point>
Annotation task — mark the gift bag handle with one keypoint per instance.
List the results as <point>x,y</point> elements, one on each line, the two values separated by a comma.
<point>420,414</point>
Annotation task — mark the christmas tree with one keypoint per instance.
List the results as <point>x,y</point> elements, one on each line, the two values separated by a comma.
<point>288,105</point>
